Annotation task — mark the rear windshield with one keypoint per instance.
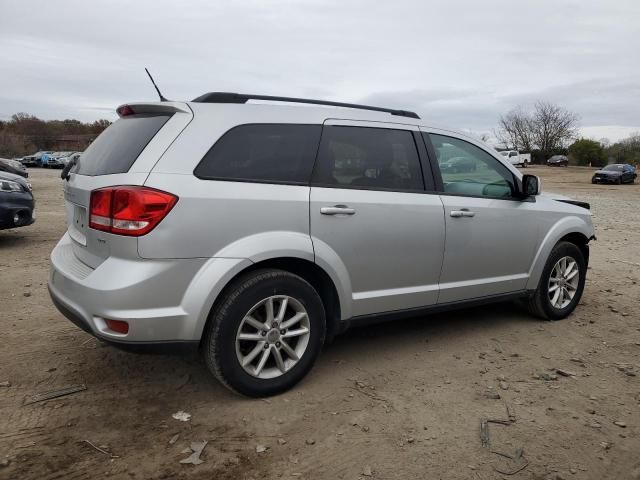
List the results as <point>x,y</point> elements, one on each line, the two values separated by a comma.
<point>115,150</point>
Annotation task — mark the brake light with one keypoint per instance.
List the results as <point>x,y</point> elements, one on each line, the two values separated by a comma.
<point>125,111</point>
<point>129,210</point>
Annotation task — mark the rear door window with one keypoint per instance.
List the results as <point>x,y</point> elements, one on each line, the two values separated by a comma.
<point>368,158</point>
<point>118,147</point>
<point>270,153</point>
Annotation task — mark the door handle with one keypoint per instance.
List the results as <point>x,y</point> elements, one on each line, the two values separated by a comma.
<point>462,213</point>
<point>337,210</point>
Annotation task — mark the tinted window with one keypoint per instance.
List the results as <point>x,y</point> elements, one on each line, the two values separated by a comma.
<point>115,150</point>
<point>469,170</point>
<point>362,157</point>
<point>276,153</point>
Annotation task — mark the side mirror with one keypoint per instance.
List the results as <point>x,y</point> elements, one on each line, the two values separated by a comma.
<point>531,185</point>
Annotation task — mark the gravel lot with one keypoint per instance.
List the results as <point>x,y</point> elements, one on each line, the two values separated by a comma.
<point>395,401</point>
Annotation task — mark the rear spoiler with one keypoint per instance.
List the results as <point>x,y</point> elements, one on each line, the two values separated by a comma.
<point>154,108</point>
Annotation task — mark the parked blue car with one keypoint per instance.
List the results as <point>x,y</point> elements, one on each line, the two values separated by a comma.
<point>51,160</point>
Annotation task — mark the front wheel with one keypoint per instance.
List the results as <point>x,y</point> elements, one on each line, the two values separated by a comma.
<point>265,333</point>
<point>561,283</point>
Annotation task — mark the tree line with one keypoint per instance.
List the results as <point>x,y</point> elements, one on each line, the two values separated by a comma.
<point>550,129</point>
<point>24,134</point>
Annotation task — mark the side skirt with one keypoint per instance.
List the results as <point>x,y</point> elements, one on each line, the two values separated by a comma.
<point>374,318</point>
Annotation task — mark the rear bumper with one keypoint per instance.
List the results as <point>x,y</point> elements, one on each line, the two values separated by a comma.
<point>163,347</point>
<point>165,302</point>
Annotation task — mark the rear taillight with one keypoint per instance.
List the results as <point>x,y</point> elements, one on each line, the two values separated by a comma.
<point>125,111</point>
<point>129,210</point>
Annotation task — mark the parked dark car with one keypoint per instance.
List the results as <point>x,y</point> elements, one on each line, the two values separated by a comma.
<point>13,166</point>
<point>17,204</point>
<point>35,159</point>
<point>616,173</point>
<point>558,161</point>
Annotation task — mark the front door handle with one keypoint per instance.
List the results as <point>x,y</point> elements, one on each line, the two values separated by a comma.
<point>462,213</point>
<point>337,210</point>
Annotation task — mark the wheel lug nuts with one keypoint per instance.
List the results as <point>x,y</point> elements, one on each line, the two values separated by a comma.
<point>282,332</point>
<point>266,346</point>
<point>278,344</point>
<point>263,333</point>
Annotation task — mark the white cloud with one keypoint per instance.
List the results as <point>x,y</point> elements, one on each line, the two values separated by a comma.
<point>458,62</point>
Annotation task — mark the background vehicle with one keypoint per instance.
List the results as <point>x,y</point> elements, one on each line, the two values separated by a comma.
<point>13,166</point>
<point>558,161</point>
<point>68,157</point>
<point>52,160</point>
<point>300,222</point>
<point>615,173</point>
<point>16,201</point>
<point>34,160</point>
<point>516,158</point>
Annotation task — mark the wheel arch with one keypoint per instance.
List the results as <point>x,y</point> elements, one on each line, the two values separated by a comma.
<point>571,229</point>
<point>306,269</point>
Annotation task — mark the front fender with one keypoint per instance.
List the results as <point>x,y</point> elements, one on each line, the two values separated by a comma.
<point>563,227</point>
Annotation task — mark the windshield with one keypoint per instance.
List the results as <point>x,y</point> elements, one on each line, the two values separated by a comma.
<point>615,168</point>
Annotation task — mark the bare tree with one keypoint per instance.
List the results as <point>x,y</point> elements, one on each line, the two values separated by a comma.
<point>549,127</point>
<point>516,130</point>
<point>553,126</point>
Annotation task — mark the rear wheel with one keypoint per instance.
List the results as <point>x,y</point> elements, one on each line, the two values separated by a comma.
<point>265,333</point>
<point>561,284</point>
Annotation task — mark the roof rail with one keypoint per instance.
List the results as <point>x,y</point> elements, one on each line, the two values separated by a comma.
<point>226,97</point>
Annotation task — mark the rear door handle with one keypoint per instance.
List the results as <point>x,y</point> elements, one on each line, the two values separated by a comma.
<point>337,210</point>
<point>462,213</point>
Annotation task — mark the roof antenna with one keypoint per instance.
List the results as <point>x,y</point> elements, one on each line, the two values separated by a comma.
<point>162,99</point>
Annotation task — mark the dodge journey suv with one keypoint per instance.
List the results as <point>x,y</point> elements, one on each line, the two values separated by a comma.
<point>256,231</point>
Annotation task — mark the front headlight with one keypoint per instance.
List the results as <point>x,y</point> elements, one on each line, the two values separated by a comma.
<point>9,186</point>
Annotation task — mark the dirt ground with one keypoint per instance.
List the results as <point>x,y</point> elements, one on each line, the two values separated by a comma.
<point>401,400</point>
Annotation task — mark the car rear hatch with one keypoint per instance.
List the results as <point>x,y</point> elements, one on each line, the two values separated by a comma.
<point>123,154</point>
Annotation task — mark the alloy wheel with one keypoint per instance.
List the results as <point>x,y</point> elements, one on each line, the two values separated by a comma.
<point>273,337</point>
<point>563,282</point>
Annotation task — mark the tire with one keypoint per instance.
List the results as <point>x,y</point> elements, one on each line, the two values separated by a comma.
<point>250,294</point>
<point>540,305</point>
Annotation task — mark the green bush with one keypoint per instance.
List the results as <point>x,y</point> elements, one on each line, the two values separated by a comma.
<point>587,152</point>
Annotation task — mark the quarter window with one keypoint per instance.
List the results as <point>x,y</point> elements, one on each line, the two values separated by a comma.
<point>281,153</point>
<point>369,158</point>
<point>469,170</point>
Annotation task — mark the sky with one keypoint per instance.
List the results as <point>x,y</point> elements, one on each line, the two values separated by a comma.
<point>458,63</point>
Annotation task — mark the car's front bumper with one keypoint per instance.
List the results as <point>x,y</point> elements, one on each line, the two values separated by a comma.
<point>12,204</point>
<point>603,179</point>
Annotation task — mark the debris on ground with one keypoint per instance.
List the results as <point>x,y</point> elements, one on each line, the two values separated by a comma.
<point>565,373</point>
<point>492,395</point>
<point>518,457</point>
<point>4,462</point>
<point>366,471</point>
<point>484,432</point>
<point>5,384</point>
<point>547,376</point>
<point>620,424</point>
<point>102,449</point>
<point>310,441</point>
<point>281,441</point>
<point>261,448</point>
<point>174,439</point>
<point>194,458</point>
<point>182,416</point>
<point>61,392</point>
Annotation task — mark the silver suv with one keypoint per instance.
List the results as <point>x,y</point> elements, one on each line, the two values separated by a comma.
<point>257,231</point>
